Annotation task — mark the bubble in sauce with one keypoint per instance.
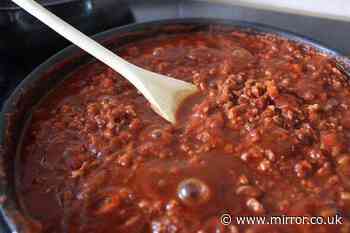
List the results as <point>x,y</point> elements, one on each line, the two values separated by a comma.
<point>193,192</point>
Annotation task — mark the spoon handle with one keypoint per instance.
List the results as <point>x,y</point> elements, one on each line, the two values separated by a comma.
<point>81,40</point>
<point>165,94</point>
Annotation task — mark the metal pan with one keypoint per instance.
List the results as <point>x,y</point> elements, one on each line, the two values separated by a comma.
<point>17,109</point>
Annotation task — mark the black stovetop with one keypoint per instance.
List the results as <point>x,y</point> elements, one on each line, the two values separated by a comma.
<point>93,16</point>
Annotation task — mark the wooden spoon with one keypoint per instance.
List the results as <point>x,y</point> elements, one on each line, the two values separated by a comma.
<point>164,93</point>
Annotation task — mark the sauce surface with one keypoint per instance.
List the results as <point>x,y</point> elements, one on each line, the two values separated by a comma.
<point>268,135</point>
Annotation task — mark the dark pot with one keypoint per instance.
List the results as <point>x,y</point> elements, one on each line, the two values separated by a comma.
<point>17,109</point>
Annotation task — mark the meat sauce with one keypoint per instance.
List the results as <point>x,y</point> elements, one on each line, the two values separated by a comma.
<point>267,135</point>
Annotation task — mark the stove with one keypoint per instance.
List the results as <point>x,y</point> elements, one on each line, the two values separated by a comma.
<point>25,42</point>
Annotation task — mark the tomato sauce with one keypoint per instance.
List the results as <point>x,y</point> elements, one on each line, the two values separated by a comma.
<point>267,135</point>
